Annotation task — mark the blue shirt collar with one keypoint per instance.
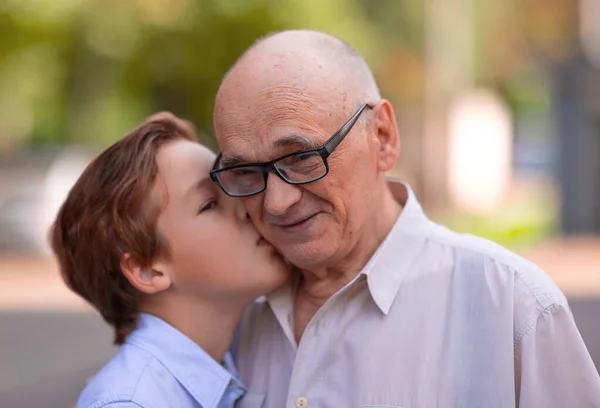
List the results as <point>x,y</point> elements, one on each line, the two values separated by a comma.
<point>204,378</point>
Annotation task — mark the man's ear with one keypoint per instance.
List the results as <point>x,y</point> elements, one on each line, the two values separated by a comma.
<point>149,279</point>
<point>386,132</point>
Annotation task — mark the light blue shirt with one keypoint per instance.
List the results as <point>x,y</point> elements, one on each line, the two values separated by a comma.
<point>159,367</point>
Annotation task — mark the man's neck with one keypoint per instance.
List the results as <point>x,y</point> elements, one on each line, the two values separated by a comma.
<point>318,285</point>
<point>209,325</point>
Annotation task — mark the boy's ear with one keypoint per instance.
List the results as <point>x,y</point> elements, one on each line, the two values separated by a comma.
<point>147,279</point>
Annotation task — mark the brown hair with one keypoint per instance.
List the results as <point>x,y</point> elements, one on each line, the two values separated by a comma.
<point>106,215</point>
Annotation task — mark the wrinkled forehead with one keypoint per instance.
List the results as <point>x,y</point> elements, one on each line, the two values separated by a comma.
<point>269,126</point>
<point>259,113</point>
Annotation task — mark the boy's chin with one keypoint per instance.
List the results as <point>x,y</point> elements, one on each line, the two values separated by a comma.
<point>272,286</point>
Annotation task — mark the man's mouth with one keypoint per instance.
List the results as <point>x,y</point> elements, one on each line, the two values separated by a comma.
<point>296,224</point>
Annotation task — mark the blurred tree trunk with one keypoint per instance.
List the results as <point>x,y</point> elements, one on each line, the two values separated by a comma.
<point>576,106</point>
<point>449,56</point>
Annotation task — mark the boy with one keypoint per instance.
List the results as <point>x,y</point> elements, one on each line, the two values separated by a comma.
<point>169,261</point>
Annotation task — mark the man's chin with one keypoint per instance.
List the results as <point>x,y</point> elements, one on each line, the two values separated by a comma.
<point>306,255</point>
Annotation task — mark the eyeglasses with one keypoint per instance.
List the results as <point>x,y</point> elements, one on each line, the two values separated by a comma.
<point>302,167</point>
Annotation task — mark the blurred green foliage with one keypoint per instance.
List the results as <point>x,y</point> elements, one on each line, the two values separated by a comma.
<point>86,71</point>
<point>518,228</point>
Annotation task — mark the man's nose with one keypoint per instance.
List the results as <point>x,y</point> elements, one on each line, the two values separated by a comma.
<point>280,196</point>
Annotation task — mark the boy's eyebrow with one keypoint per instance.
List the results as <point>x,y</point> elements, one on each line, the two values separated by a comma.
<point>197,186</point>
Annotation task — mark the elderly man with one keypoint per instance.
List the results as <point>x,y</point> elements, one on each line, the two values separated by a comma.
<point>388,309</point>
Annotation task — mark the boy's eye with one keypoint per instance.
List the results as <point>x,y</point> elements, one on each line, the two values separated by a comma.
<point>207,206</point>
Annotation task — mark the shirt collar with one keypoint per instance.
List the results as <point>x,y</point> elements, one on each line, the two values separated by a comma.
<point>204,378</point>
<point>392,262</point>
<point>387,268</point>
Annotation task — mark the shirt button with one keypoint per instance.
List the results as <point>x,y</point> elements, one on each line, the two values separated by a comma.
<point>301,402</point>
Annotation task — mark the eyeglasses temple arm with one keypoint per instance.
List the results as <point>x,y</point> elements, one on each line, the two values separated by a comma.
<point>337,138</point>
<point>216,163</point>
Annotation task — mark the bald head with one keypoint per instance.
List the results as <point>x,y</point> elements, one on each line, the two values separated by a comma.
<point>305,59</point>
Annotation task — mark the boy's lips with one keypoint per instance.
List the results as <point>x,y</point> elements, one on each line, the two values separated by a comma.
<point>261,242</point>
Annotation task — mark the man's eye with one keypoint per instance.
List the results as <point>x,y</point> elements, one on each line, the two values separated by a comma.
<point>245,172</point>
<point>207,206</point>
<point>304,157</point>
<point>298,158</point>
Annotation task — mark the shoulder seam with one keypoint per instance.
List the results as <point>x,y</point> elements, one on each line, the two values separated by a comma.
<point>531,323</point>
<point>546,301</point>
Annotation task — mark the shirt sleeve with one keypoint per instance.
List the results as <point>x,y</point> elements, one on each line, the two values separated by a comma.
<point>553,366</point>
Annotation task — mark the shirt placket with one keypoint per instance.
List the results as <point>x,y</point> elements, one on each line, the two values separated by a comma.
<point>315,342</point>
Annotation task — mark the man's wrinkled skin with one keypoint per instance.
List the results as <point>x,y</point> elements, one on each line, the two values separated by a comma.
<point>292,91</point>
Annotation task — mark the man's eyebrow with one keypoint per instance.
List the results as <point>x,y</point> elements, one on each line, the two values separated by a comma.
<point>227,161</point>
<point>197,186</point>
<point>300,141</point>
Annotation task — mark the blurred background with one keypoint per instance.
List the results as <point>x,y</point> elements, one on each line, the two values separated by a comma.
<point>498,106</point>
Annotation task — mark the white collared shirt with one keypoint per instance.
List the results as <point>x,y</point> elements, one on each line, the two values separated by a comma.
<point>435,319</point>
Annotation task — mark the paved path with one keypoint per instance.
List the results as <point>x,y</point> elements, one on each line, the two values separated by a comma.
<point>46,356</point>
<point>50,341</point>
